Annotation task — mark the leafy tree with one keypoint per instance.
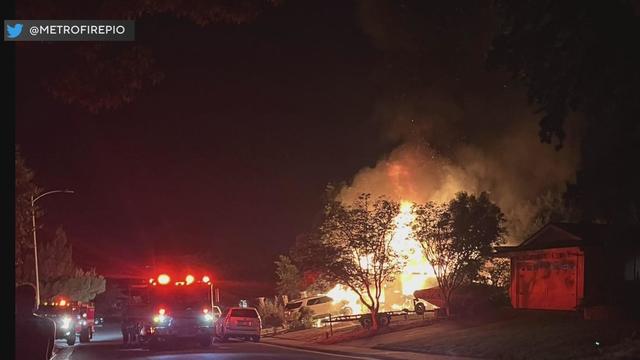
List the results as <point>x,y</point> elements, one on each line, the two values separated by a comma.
<point>582,56</point>
<point>496,272</point>
<point>289,279</point>
<point>315,283</point>
<point>60,276</point>
<point>25,188</point>
<point>457,238</point>
<point>58,273</point>
<point>81,285</point>
<point>352,247</point>
<point>312,279</point>
<point>57,257</point>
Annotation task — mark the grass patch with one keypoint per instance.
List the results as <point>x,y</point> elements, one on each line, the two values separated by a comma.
<point>524,335</point>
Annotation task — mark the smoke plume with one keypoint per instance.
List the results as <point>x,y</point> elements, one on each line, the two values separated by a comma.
<point>515,169</point>
<point>460,127</point>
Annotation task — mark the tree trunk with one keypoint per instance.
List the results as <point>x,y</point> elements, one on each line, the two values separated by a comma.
<point>447,305</point>
<point>374,320</point>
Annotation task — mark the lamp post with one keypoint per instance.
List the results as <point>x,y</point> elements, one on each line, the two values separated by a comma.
<point>35,242</point>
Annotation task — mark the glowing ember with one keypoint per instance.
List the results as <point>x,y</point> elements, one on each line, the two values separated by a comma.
<point>417,273</point>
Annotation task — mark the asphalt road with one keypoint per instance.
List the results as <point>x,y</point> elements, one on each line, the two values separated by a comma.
<point>107,344</point>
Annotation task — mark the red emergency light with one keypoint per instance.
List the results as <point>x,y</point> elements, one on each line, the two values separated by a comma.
<point>189,279</point>
<point>165,279</point>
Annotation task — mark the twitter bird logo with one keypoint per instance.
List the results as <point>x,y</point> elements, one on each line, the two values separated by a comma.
<point>14,31</point>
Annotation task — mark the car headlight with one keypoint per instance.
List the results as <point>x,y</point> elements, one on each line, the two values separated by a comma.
<point>66,322</point>
<point>161,319</point>
<point>208,317</point>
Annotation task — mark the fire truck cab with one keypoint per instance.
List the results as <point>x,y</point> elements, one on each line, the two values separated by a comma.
<point>171,309</point>
<point>85,313</point>
<point>73,319</point>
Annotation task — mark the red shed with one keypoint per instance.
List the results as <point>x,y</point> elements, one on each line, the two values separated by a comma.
<point>565,266</point>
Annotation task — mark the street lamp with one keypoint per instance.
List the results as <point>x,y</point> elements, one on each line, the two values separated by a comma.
<point>35,242</point>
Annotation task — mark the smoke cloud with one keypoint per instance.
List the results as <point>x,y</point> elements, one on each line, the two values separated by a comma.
<point>515,169</point>
<point>460,127</point>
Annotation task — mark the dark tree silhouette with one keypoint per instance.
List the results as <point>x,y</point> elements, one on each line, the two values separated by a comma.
<point>106,76</point>
<point>60,276</point>
<point>289,278</point>
<point>457,238</point>
<point>582,56</point>
<point>25,188</point>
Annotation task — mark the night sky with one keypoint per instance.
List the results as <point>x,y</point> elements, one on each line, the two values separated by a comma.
<point>228,154</point>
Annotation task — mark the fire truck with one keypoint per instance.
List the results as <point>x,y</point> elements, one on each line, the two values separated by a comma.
<point>170,309</point>
<point>73,319</point>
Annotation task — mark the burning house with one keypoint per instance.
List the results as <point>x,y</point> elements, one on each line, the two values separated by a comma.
<point>563,266</point>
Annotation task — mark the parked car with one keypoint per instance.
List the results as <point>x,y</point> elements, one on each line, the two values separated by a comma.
<point>321,306</point>
<point>239,322</point>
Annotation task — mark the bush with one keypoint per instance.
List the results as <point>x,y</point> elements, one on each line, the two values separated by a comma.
<point>304,319</point>
<point>272,313</point>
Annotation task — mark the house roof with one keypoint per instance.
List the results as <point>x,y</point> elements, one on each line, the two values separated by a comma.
<point>561,235</point>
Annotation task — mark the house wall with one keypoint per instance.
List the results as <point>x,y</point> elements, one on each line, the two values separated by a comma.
<point>551,279</point>
<point>607,278</point>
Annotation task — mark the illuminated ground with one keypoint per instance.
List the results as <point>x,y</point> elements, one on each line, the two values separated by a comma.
<point>107,345</point>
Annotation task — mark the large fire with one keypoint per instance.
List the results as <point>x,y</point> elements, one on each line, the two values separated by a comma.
<point>417,273</point>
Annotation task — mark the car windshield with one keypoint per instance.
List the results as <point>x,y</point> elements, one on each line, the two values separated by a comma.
<point>249,313</point>
<point>293,305</point>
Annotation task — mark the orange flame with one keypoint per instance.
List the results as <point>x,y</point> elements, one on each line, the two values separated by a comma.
<point>417,273</point>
